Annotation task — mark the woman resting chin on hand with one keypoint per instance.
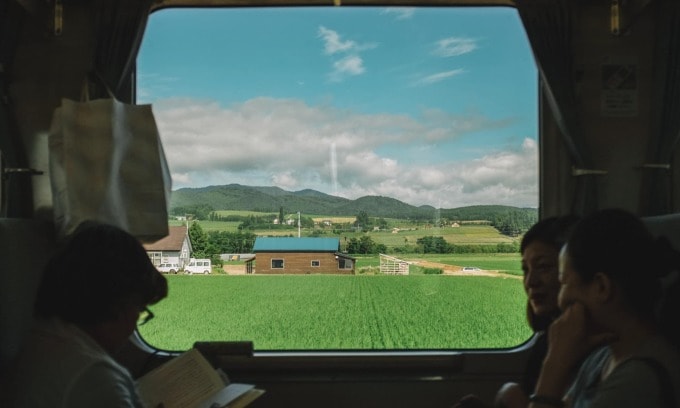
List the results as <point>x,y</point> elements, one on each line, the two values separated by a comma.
<point>610,272</point>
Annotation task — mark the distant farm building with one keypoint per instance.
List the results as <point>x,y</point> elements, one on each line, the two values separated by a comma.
<point>285,255</point>
<point>390,265</point>
<point>175,248</point>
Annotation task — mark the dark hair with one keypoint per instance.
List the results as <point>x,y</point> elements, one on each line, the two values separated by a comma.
<point>98,270</point>
<point>551,231</point>
<point>617,243</point>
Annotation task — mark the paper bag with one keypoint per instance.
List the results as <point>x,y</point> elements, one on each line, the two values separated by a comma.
<point>107,164</point>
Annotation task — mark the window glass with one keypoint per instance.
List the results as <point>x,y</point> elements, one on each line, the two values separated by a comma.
<point>400,143</point>
<point>277,263</point>
<point>344,264</point>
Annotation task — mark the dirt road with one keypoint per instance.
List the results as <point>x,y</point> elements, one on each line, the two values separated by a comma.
<point>458,270</point>
<point>234,269</point>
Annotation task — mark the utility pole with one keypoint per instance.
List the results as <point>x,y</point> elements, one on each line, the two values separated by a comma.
<point>298,224</point>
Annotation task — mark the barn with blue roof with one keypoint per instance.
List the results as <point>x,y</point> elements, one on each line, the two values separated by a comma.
<point>289,255</point>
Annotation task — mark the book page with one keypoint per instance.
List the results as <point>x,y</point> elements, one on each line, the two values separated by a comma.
<point>245,399</point>
<point>233,396</point>
<point>183,382</point>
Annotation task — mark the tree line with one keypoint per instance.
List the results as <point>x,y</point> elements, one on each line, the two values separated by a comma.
<point>510,222</point>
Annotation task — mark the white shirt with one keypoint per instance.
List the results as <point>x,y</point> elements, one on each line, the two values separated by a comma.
<point>62,366</point>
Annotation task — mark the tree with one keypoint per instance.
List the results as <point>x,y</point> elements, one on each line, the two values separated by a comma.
<point>225,242</point>
<point>362,220</point>
<point>199,241</point>
<point>198,211</point>
<point>353,246</point>
<point>281,215</point>
<point>366,245</point>
<point>434,245</point>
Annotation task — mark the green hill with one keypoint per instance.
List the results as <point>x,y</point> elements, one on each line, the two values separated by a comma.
<point>507,219</point>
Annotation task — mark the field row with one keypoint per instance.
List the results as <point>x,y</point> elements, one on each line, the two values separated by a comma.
<point>316,312</point>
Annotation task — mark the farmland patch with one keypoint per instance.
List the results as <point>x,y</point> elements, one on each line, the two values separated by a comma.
<point>341,312</point>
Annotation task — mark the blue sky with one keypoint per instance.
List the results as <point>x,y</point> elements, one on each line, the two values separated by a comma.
<point>426,105</point>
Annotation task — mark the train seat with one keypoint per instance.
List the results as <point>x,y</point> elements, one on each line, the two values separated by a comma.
<point>25,247</point>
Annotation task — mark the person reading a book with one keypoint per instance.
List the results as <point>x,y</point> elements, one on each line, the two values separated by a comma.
<point>94,291</point>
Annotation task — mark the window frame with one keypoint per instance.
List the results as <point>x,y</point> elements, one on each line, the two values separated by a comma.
<point>345,262</point>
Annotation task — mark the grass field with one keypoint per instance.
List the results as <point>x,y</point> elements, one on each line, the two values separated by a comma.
<point>463,235</point>
<point>467,234</point>
<point>341,312</point>
<point>364,312</point>
<point>506,263</point>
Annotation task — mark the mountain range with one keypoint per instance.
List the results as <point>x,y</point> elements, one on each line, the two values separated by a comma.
<point>271,199</point>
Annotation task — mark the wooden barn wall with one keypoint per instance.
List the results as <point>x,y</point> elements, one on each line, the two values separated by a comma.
<point>299,263</point>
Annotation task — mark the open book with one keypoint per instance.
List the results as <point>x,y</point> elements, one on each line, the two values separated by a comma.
<point>189,381</point>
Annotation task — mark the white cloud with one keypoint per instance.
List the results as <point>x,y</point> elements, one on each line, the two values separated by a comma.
<point>347,61</point>
<point>350,65</point>
<point>155,85</point>
<point>400,13</point>
<point>454,46</point>
<point>289,144</point>
<point>438,77</point>
<point>332,42</point>
<point>286,180</point>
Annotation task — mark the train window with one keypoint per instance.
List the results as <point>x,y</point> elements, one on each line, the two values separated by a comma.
<point>404,138</point>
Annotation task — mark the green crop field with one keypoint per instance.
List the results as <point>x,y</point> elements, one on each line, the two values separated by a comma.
<point>364,312</point>
<point>469,234</point>
<point>463,235</point>
<point>506,263</point>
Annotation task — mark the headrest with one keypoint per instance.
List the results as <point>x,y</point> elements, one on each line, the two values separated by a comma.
<point>665,225</point>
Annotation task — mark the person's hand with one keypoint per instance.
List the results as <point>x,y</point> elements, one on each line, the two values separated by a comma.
<point>569,342</point>
<point>569,338</point>
<point>511,395</point>
<point>470,401</point>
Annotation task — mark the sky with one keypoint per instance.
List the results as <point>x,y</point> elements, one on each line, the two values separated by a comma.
<point>431,106</point>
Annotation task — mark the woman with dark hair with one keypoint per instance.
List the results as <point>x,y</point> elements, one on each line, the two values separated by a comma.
<point>93,293</point>
<point>540,248</point>
<point>612,273</point>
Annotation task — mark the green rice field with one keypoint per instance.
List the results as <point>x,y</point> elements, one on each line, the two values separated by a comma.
<point>505,263</point>
<point>361,312</point>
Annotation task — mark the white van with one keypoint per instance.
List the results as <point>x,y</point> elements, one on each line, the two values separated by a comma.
<point>168,268</point>
<point>198,266</point>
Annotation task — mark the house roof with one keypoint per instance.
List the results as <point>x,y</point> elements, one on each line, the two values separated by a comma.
<point>288,244</point>
<point>172,242</point>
